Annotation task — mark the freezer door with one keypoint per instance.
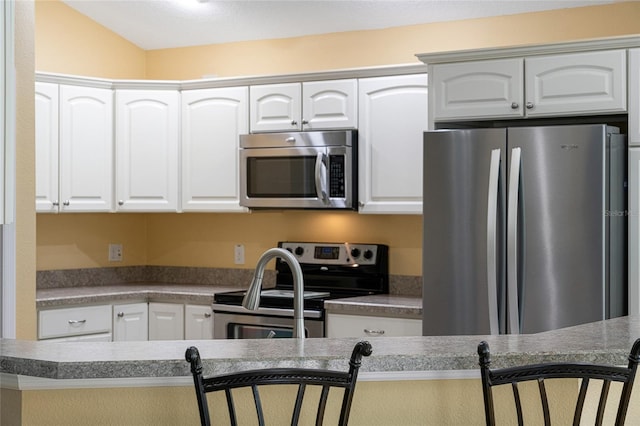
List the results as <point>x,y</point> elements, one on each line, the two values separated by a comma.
<point>561,226</point>
<point>464,237</point>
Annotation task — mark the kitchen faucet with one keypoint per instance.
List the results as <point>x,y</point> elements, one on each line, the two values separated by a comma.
<point>251,300</point>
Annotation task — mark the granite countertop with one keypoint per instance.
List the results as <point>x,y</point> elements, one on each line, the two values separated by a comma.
<point>379,305</point>
<point>388,305</point>
<point>607,342</point>
<point>86,295</point>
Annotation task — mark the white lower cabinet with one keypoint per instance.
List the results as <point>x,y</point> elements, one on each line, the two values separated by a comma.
<point>130,322</point>
<point>198,322</point>
<point>341,325</point>
<point>79,323</point>
<point>166,321</point>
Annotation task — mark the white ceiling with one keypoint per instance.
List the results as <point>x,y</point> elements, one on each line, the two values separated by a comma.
<point>158,24</point>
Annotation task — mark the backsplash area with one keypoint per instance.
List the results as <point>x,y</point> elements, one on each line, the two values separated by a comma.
<point>398,284</point>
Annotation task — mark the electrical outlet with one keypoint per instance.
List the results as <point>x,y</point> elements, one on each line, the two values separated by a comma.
<point>238,254</point>
<point>115,252</point>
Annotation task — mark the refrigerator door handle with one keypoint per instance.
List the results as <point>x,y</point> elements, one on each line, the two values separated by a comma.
<point>512,242</point>
<point>492,253</point>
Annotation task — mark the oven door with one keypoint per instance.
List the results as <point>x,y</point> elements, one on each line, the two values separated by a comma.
<point>300,177</point>
<point>228,325</point>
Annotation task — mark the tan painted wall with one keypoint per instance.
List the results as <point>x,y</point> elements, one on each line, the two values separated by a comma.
<point>70,43</point>
<point>25,223</point>
<point>390,46</point>
<point>178,239</point>
<point>405,403</point>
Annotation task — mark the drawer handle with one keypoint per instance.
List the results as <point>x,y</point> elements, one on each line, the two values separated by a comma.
<point>370,332</point>
<point>72,322</point>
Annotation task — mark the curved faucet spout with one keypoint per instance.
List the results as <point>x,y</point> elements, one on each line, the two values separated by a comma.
<point>252,298</point>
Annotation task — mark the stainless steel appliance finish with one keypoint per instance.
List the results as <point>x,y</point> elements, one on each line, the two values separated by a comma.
<point>523,228</point>
<point>300,170</point>
<point>330,270</point>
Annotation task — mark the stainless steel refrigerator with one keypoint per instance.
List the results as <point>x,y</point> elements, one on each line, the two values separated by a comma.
<point>524,228</point>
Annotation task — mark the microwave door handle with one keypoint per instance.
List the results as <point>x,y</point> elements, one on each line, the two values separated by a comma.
<point>321,177</point>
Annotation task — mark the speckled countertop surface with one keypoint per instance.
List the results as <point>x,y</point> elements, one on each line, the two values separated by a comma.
<point>601,342</point>
<point>381,305</point>
<point>179,293</point>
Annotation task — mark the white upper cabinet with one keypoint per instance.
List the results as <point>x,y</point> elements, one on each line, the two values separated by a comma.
<point>316,105</point>
<point>86,149</point>
<point>634,97</point>
<point>392,117</point>
<point>212,120</point>
<point>329,104</point>
<point>74,148</point>
<point>46,133</point>
<point>147,148</point>
<point>481,89</point>
<point>589,82</point>
<point>536,86</point>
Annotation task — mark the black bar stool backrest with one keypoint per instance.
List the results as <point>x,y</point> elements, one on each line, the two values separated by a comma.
<point>540,372</point>
<point>303,377</point>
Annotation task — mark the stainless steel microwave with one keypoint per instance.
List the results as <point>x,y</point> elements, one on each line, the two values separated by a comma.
<point>299,170</point>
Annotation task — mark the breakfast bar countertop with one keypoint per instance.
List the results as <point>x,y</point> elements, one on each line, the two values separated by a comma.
<point>606,342</point>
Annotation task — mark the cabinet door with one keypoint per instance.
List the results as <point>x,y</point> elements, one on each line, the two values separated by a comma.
<point>166,321</point>
<point>634,97</point>
<point>339,325</point>
<point>130,322</point>
<point>147,143</point>
<point>212,120</point>
<point>275,107</point>
<point>75,321</point>
<point>46,133</point>
<point>392,117</point>
<point>633,216</point>
<point>198,322</point>
<point>86,149</point>
<point>479,89</point>
<point>589,82</point>
<point>329,104</point>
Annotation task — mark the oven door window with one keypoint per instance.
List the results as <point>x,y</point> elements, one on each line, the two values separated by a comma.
<point>281,177</point>
<point>253,331</point>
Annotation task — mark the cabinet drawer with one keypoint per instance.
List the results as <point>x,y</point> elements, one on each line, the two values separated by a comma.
<point>339,325</point>
<point>74,321</point>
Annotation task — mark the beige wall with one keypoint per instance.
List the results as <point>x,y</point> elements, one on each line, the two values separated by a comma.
<point>390,46</point>
<point>25,175</point>
<point>70,43</point>
<point>208,239</point>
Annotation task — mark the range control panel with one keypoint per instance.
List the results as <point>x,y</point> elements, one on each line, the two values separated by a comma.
<point>333,253</point>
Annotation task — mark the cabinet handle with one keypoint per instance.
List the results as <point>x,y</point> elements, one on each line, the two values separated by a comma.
<point>120,203</point>
<point>56,203</point>
<point>207,315</point>
<point>515,105</point>
<point>294,123</point>
<point>305,122</point>
<point>77,321</point>
<point>66,202</point>
<point>529,105</point>
<point>370,332</point>
<point>120,314</point>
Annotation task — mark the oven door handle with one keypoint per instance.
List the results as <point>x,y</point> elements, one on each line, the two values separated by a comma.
<point>321,177</point>
<point>218,307</point>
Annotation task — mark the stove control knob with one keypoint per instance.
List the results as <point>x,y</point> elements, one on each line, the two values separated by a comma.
<point>355,252</point>
<point>299,251</point>
<point>368,254</point>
